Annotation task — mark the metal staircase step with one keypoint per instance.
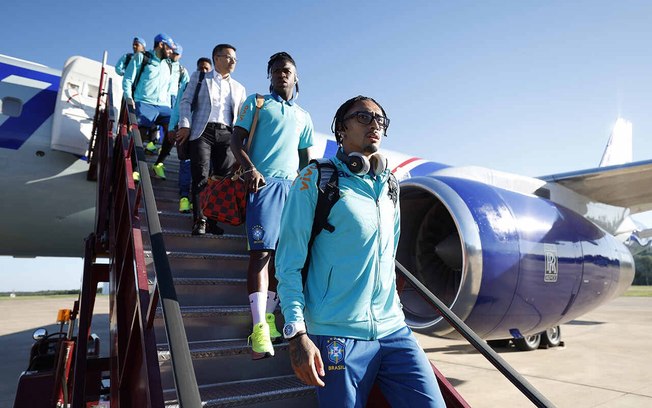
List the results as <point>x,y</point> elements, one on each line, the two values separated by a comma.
<point>204,264</point>
<point>278,392</point>
<point>170,204</point>
<point>184,241</point>
<point>174,220</point>
<point>168,192</point>
<point>211,291</point>
<point>205,323</point>
<point>226,361</point>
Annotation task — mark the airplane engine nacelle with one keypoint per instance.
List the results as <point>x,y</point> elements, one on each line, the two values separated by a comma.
<point>502,261</point>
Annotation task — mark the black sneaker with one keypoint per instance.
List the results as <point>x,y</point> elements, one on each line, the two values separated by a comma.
<point>213,228</point>
<point>199,228</point>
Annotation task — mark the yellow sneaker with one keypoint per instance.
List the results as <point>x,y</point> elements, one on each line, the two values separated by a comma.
<point>274,334</point>
<point>159,170</point>
<point>136,176</point>
<point>150,148</point>
<point>261,344</point>
<point>184,205</point>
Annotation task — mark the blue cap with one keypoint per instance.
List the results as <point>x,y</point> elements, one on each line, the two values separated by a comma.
<point>179,49</point>
<point>140,41</point>
<point>164,38</point>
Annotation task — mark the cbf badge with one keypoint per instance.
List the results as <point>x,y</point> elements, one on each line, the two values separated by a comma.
<point>336,351</point>
<point>257,233</point>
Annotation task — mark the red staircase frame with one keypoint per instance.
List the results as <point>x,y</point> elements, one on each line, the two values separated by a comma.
<point>134,371</point>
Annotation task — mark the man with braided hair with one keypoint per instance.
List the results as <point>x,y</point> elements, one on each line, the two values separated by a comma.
<point>283,134</point>
<point>343,316</point>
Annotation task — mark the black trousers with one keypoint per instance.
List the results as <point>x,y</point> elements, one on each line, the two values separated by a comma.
<point>210,154</point>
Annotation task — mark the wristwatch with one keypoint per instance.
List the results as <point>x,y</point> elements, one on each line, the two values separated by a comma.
<point>292,330</point>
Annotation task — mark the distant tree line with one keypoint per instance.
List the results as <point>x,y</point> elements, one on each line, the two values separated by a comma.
<point>643,275</point>
<point>45,293</point>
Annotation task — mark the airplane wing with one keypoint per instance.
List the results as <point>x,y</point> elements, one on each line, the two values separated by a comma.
<point>628,185</point>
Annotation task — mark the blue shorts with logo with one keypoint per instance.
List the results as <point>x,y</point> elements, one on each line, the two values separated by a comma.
<point>396,363</point>
<point>264,210</point>
<point>149,115</point>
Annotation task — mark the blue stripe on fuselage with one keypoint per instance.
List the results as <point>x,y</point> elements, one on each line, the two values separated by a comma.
<point>15,131</point>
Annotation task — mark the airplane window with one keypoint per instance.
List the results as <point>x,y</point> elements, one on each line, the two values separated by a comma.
<point>11,106</point>
<point>92,91</point>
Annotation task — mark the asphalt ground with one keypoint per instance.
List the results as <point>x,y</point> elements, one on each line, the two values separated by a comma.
<point>606,360</point>
<point>19,317</point>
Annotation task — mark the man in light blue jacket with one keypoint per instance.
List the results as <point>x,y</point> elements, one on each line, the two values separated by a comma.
<point>138,45</point>
<point>147,83</point>
<point>345,327</point>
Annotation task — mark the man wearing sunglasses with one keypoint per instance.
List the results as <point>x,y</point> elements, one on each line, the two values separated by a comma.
<point>345,326</point>
<point>279,147</point>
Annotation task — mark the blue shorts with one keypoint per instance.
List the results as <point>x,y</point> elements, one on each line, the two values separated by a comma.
<point>264,210</point>
<point>396,363</point>
<point>151,115</point>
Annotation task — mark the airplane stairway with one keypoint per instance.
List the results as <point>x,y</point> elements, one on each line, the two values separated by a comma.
<point>209,274</point>
<point>178,302</point>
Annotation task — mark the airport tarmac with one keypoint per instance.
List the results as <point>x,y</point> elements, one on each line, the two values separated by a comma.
<point>606,360</point>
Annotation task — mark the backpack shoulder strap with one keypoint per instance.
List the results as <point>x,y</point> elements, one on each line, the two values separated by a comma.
<point>128,58</point>
<point>328,193</point>
<point>260,100</point>
<point>147,57</point>
<point>195,97</point>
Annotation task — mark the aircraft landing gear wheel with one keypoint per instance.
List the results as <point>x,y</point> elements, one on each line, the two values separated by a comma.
<point>528,343</point>
<point>551,337</point>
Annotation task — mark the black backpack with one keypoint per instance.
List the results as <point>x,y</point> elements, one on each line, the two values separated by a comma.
<point>128,59</point>
<point>328,193</point>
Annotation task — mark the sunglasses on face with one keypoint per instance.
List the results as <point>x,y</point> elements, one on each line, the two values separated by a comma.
<point>229,58</point>
<point>365,118</point>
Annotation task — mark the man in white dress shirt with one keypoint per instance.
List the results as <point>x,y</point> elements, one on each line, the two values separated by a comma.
<point>208,124</point>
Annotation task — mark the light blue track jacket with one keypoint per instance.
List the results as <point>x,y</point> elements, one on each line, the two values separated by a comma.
<point>120,65</point>
<point>154,84</point>
<point>351,285</point>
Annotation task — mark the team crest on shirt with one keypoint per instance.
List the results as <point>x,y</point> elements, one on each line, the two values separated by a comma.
<point>336,352</point>
<point>257,233</point>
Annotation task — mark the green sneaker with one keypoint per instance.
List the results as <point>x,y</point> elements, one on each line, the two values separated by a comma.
<point>274,334</point>
<point>184,205</point>
<point>261,344</point>
<point>136,176</point>
<point>159,170</point>
<point>151,148</point>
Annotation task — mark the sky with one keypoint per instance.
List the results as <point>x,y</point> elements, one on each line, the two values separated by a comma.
<point>528,87</point>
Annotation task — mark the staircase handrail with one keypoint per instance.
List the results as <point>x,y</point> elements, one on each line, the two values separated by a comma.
<point>182,367</point>
<point>508,371</point>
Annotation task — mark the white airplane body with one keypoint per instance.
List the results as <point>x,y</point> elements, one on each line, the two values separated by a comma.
<point>49,208</point>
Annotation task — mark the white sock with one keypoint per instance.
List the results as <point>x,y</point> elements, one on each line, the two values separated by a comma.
<point>258,302</point>
<point>272,302</point>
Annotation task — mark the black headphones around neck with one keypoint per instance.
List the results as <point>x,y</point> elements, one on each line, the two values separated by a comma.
<point>360,165</point>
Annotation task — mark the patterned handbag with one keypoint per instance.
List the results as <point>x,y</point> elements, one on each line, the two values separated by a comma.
<point>224,200</point>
